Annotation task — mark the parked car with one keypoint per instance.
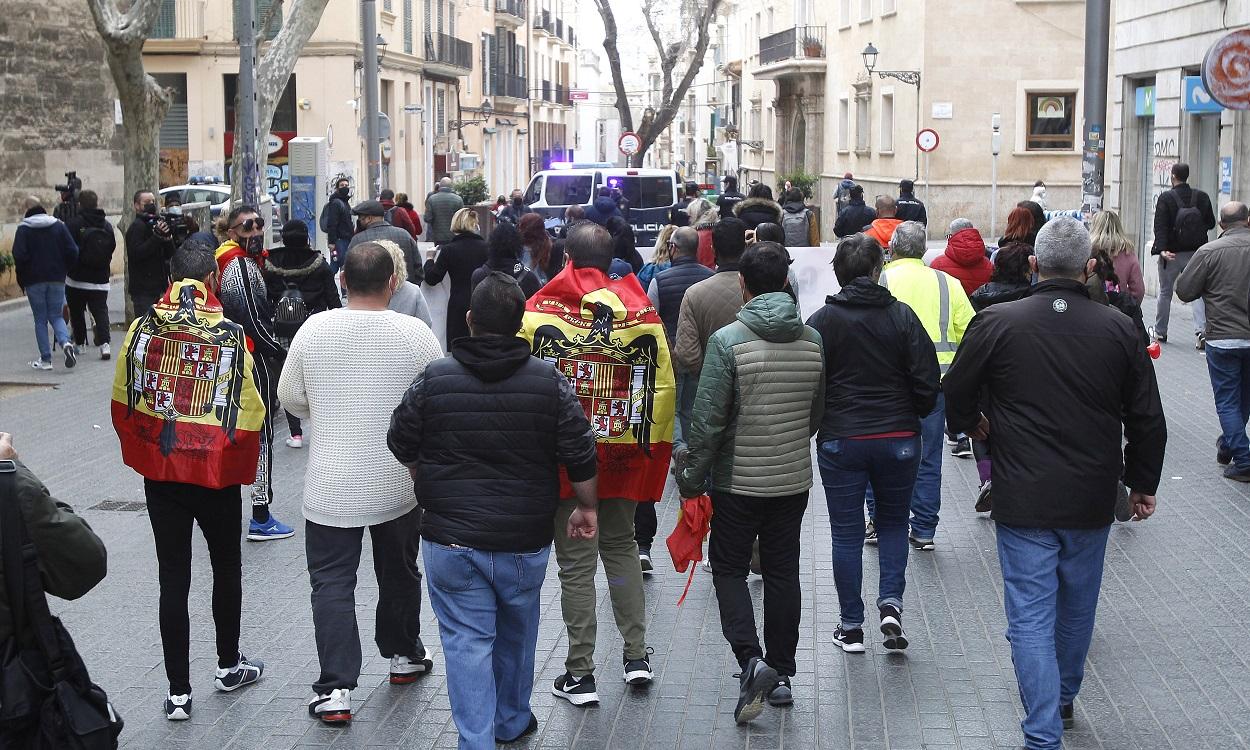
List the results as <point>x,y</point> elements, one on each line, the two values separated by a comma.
<point>218,195</point>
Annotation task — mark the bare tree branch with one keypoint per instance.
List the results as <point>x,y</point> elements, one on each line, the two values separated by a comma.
<point>614,62</point>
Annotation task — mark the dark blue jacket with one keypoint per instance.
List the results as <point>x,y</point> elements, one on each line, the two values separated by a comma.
<point>486,430</point>
<point>671,285</point>
<point>854,218</point>
<point>603,209</point>
<point>43,250</point>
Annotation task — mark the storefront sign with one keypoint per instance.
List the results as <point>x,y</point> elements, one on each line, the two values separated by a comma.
<point>1226,71</point>
<point>1145,101</point>
<point>1226,175</point>
<point>1196,99</point>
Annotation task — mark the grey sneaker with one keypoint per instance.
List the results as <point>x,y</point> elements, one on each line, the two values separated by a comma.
<point>781,695</point>
<point>756,681</point>
<point>1123,508</point>
<point>870,533</point>
<point>71,355</point>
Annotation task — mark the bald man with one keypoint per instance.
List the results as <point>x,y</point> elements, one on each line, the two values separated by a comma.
<point>882,228</point>
<point>1219,273</point>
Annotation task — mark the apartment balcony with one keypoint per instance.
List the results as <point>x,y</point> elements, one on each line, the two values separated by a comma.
<point>447,56</point>
<point>179,27</point>
<point>510,13</point>
<point>544,21</point>
<point>507,86</point>
<point>793,52</point>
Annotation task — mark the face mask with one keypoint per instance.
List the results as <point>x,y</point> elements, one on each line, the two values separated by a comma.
<point>360,227</point>
<point>344,192</point>
<point>517,202</point>
<point>149,208</point>
<point>255,245</point>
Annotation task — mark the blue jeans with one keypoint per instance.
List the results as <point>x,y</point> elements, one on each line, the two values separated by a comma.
<point>47,300</point>
<point>847,468</point>
<point>1230,383</point>
<point>1051,579</point>
<point>687,386</point>
<point>487,609</point>
<point>926,499</point>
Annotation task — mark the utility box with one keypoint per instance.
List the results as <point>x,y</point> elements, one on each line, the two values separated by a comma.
<point>309,162</point>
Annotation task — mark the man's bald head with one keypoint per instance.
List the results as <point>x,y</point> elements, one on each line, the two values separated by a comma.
<point>886,206</point>
<point>686,241</point>
<point>1233,214</point>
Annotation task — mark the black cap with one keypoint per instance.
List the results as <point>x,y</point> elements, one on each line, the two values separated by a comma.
<point>906,186</point>
<point>369,208</point>
<point>294,228</point>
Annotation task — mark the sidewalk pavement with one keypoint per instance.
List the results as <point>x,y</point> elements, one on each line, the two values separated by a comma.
<point>1168,667</point>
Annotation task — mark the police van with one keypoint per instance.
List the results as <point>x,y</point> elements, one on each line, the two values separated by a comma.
<point>651,193</point>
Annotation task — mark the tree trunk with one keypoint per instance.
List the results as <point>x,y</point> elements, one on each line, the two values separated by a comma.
<point>272,73</point>
<point>144,103</point>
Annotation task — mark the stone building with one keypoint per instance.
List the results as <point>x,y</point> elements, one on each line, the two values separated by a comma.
<point>57,100</point>
<point>806,101</point>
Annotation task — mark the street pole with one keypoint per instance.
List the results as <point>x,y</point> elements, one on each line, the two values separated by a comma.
<point>249,170</point>
<point>369,30</point>
<point>996,140</point>
<point>1093,161</point>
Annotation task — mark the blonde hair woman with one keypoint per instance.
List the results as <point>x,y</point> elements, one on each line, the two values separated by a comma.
<point>661,259</point>
<point>1107,235</point>
<point>407,298</point>
<point>457,259</point>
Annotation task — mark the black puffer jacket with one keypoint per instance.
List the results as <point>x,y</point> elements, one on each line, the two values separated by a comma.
<point>995,292</point>
<point>881,371</point>
<point>458,259</point>
<point>486,430</point>
<point>854,218</point>
<point>756,211</point>
<point>94,256</point>
<point>671,285</point>
<point>302,267</point>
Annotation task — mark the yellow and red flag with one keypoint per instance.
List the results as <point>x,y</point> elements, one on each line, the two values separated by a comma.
<point>185,406</point>
<point>604,335</point>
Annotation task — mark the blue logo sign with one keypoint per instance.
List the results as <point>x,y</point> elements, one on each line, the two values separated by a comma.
<point>1145,101</point>
<point>1226,175</point>
<point>1196,99</point>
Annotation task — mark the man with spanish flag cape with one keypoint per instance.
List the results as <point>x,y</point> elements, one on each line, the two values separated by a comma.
<point>604,335</point>
<point>189,416</point>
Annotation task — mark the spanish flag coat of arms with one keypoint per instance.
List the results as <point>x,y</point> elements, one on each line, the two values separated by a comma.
<point>604,335</point>
<point>185,406</point>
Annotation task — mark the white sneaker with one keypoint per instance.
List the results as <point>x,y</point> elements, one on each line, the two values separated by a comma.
<point>39,364</point>
<point>334,707</point>
<point>405,670</point>
<point>71,355</point>
<point>295,441</point>
<point>106,352</point>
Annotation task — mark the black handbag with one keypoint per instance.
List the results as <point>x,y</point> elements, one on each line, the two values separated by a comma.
<point>47,699</point>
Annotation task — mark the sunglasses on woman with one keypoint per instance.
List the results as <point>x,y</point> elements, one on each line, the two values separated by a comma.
<point>248,224</point>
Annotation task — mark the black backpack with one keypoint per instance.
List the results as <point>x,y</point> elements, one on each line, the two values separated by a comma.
<point>96,246</point>
<point>290,312</point>
<point>1189,232</point>
<point>47,699</point>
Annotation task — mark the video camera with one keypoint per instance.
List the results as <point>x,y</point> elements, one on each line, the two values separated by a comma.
<point>180,227</point>
<point>68,207</point>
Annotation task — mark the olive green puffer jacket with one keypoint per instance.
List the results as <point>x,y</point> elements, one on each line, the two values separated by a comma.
<point>760,400</point>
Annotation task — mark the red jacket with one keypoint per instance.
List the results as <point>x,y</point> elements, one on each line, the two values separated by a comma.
<point>399,218</point>
<point>965,259</point>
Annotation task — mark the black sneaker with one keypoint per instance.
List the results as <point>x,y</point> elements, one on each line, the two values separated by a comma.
<point>529,729</point>
<point>924,545</point>
<point>1200,341</point>
<point>644,559</point>
<point>870,533</point>
<point>850,641</point>
<point>178,707</point>
<point>983,499</point>
<point>1223,456</point>
<point>1237,475</point>
<point>756,682</point>
<point>781,695</point>
<point>244,673</point>
<point>962,449</point>
<point>638,671</point>
<point>71,355</point>
<point>892,628</point>
<point>578,691</point>
<point>1065,713</point>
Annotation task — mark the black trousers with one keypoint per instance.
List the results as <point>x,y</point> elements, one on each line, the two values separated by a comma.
<point>293,424</point>
<point>645,525</point>
<point>778,521</point>
<point>172,508</point>
<point>82,300</point>
<point>333,559</point>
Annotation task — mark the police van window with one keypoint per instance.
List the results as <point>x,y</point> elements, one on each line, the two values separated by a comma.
<point>534,190</point>
<point>655,192</point>
<point>565,190</point>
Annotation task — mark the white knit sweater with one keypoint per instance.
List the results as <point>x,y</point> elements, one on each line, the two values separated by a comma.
<point>347,370</point>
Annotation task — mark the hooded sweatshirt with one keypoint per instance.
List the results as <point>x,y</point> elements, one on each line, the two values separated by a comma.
<point>95,255</point>
<point>761,398</point>
<point>43,250</point>
<point>756,211</point>
<point>602,209</point>
<point>499,494</point>
<point>965,259</point>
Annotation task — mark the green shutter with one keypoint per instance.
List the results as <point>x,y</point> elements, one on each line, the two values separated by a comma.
<point>408,27</point>
<point>166,21</point>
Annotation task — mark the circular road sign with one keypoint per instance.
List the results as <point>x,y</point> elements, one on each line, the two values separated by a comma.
<point>927,140</point>
<point>629,143</point>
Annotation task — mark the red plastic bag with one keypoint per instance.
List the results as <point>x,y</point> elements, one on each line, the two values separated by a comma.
<point>685,544</point>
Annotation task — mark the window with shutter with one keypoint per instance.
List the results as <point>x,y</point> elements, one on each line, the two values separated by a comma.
<point>440,112</point>
<point>166,21</point>
<point>429,15</point>
<point>408,27</point>
<point>486,57</point>
<point>451,18</point>
<point>263,8</point>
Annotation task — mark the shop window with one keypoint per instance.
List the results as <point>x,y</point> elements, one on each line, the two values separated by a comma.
<point>1051,116</point>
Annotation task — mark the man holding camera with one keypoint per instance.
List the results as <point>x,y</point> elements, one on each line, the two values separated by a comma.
<point>149,246</point>
<point>87,283</point>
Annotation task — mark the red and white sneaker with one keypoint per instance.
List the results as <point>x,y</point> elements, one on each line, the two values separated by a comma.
<point>405,671</point>
<point>334,707</point>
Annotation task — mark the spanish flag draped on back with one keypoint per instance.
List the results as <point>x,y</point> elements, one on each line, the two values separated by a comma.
<point>185,406</point>
<point>608,340</point>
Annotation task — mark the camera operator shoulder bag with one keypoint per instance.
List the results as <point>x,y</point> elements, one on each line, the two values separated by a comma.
<point>47,699</point>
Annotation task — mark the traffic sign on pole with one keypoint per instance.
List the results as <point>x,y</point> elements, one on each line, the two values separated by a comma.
<point>927,140</point>
<point>629,143</point>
